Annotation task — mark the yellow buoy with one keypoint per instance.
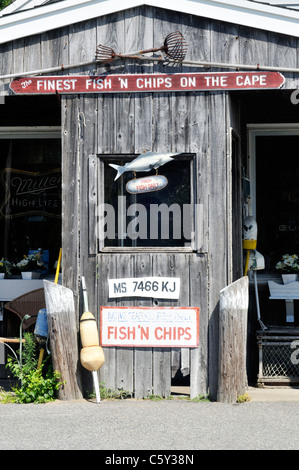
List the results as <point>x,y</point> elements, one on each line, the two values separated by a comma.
<point>88,330</point>
<point>92,358</point>
<point>91,355</point>
<point>249,238</point>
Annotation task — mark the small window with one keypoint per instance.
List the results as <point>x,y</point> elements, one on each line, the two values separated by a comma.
<point>158,212</point>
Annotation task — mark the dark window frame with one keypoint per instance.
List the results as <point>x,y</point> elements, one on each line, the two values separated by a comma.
<point>105,159</point>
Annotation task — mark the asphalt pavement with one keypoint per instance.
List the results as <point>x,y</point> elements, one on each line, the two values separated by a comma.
<point>267,422</point>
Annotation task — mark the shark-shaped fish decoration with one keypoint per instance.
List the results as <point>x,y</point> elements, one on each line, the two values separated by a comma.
<point>144,162</point>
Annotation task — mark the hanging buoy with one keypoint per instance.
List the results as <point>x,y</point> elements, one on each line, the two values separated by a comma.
<point>250,232</point>
<point>92,358</point>
<point>256,261</point>
<point>249,238</point>
<point>91,355</point>
<point>88,330</point>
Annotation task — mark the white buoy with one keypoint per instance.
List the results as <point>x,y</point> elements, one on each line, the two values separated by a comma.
<point>257,262</point>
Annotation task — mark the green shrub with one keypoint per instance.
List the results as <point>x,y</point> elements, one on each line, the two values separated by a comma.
<point>4,3</point>
<point>37,389</point>
<point>36,386</point>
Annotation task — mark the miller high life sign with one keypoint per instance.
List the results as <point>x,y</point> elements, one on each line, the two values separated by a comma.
<point>136,83</point>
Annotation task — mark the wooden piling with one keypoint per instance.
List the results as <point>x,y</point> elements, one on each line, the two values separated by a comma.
<point>63,334</point>
<point>232,377</point>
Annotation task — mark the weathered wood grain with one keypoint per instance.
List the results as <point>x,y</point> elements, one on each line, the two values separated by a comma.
<point>136,28</point>
<point>232,379</point>
<point>124,356</point>
<point>217,225</point>
<point>63,334</point>
<point>143,357</point>
<point>55,48</point>
<point>70,197</point>
<point>106,269</point>
<point>196,123</point>
<point>199,359</point>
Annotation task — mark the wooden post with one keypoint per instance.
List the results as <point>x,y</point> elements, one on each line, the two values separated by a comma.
<point>232,376</point>
<point>63,336</point>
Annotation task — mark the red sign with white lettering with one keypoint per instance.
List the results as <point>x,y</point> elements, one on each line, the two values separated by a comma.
<point>147,83</point>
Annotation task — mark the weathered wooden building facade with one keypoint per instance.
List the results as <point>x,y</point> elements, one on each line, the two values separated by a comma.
<point>210,129</point>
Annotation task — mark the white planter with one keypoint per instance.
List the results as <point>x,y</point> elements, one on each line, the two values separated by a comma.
<point>30,275</point>
<point>2,275</point>
<point>286,278</point>
<point>289,291</point>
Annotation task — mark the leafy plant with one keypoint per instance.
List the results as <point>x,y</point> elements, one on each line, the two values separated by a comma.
<point>5,266</point>
<point>288,264</point>
<point>200,398</point>
<point>36,386</point>
<point>4,3</point>
<point>110,393</point>
<point>120,393</point>
<point>6,397</point>
<point>37,389</point>
<point>29,354</point>
<point>243,398</point>
<point>154,397</point>
<point>32,262</point>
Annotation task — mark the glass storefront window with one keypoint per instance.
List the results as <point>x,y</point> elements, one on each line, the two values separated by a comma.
<point>30,195</point>
<point>277,195</point>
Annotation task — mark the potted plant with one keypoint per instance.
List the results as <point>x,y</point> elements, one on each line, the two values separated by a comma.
<point>288,266</point>
<point>5,268</point>
<point>31,265</point>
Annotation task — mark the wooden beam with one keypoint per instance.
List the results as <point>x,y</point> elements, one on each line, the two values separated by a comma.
<point>63,334</point>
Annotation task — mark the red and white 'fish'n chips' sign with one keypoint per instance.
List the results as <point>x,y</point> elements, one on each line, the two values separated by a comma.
<point>147,83</point>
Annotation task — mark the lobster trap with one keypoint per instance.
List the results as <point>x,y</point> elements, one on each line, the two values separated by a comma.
<point>278,355</point>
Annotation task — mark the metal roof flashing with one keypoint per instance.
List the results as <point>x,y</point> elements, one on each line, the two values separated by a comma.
<point>42,17</point>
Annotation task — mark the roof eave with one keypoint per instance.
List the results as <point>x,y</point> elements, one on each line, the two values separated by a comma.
<point>57,15</point>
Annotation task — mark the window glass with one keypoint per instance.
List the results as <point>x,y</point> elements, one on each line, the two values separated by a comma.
<point>157,218</point>
<point>277,197</point>
<point>30,197</point>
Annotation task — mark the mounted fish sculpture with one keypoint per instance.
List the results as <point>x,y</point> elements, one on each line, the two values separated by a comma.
<point>144,162</point>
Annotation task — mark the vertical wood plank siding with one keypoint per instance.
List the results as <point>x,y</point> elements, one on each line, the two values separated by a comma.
<point>198,123</point>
